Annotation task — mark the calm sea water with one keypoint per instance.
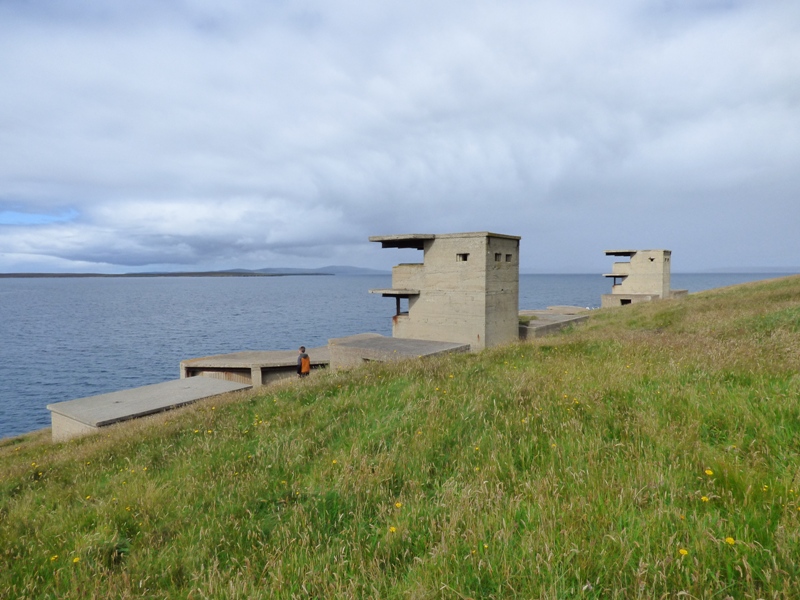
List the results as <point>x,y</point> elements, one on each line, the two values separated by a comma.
<point>62,339</point>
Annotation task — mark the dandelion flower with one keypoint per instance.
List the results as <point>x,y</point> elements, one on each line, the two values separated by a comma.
<point>392,529</point>
<point>730,540</point>
<point>398,504</point>
<point>333,462</point>
<point>683,552</point>
<point>485,546</point>
<point>77,559</point>
<point>54,557</point>
<point>704,498</point>
<point>709,472</point>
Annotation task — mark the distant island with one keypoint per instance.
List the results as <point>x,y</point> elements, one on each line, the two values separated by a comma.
<point>267,272</point>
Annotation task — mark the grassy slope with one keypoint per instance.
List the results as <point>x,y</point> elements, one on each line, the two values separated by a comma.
<point>652,451</point>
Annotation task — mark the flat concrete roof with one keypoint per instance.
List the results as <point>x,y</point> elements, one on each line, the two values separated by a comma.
<point>395,292</point>
<point>400,346</point>
<point>411,240</point>
<point>632,252</point>
<point>258,358</point>
<point>106,409</point>
<point>417,240</point>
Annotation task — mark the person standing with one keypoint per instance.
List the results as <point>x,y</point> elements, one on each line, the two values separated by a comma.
<point>303,363</point>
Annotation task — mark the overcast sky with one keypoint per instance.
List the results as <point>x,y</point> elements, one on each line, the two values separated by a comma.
<point>198,134</point>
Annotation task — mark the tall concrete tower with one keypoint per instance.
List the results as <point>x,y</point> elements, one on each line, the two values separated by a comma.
<point>465,290</point>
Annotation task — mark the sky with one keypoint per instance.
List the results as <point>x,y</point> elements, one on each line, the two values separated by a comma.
<point>143,135</point>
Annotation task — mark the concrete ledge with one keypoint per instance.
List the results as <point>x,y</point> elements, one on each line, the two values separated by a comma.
<point>358,349</point>
<point>86,415</point>
<point>550,321</point>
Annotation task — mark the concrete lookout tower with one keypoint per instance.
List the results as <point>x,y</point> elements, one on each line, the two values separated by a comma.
<point>644,277</point>
<point>466,289</point>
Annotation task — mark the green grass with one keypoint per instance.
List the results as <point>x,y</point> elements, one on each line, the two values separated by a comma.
<point>653,452</point>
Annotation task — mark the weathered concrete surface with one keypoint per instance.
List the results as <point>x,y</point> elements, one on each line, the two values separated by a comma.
<point>550,321</point>
<point>87,415</point>
<point>466,290</point>
<point>358,349</point>
<point>253,367</point>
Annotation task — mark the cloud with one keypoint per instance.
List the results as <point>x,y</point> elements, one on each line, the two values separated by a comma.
<point>283,134</point>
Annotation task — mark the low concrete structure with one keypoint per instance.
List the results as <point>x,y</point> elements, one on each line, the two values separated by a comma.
<point>466,290</point>
<point>87,415</point>
<point>550,321</point>
<point>253,367</point>
<point>642,278</point>
<point>356,350</point>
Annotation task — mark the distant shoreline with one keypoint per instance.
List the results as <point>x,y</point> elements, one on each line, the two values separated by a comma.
<point>178,274</point>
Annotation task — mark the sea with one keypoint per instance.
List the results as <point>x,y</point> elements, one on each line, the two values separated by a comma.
<point>68,338</point>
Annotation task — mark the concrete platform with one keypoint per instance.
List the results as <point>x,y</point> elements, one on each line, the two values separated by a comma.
<point>550,321</point>
<point>87,415</point>
<point>358,349</point>
<point>253,367</point>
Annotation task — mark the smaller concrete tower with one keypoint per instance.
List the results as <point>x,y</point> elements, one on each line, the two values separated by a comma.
<point>644,277</point>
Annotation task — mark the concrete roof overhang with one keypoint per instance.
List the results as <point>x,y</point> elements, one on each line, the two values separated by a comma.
<point>631,252</point>
<point>413,240</point>
<point>417,240</point>
<point>395,292</point>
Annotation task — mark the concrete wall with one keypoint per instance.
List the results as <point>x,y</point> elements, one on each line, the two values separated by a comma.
<point>610,300</point>
<point>502,291</point>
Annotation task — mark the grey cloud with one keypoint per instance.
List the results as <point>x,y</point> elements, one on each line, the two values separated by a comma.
<point>196,134</point>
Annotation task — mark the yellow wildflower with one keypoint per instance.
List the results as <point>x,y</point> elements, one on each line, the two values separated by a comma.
<point>683,552</point>
<point>392,529</point>
<point>704,498</point>
<point>398,504</point>
<point>77,559</point>
<point>709,472</point>
<point>730,540</point>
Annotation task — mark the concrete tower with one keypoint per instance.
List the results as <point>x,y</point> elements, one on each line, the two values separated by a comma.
<point>466,289</point>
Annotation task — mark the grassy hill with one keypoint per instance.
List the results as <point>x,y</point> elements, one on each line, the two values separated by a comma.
<point>653,452</point>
